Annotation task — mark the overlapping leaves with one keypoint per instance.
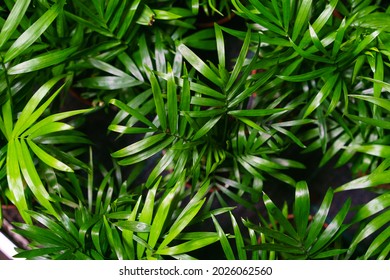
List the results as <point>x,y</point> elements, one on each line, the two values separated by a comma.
<point>21,144</point>
<point>303,236</point>
<point>112,230</point>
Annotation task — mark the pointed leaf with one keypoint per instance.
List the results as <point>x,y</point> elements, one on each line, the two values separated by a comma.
<point>199,65</point>
<point>172,102</point>
<point>206,128</point>
<point>49,59</point>
<point>227,249</point>
<point>158,100</point>
<point>302,17</point>
<point>278,215</point>
<point>301,208</point>
<point>33,32</point>
<point>181,222</point>
<point>108,82</point>
<point>188,246</point>
<point>15,183</point>
<point>319,218</point>
<point>139,146</point>
<point>332,229</point>
<point>32,178</point>
<point>162,213</point>
<point>48,159</point>
<point>30,114</point>
<point>14,18</point>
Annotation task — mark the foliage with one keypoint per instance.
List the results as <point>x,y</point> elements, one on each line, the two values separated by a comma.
<point>196,134</point>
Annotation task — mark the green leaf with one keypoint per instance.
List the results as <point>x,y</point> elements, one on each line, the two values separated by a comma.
<point>51,128</point>
<point>113,239</point>
<point>48,159</point>
<point>212,112</point>
<point>131,67</point>
<point>181,222</point>
<point>139,146</point>
<point>240,60</point>
<point>166,160</point>
<point>108,82</point>
<point>33,32</point>
<point>199,65</point>
<point>32,178</point>
<point>265,12</point>
<point>41,235</point>
<point>367,40</point>
<point>220,45</point>
<point>206,128</point>
<point>258,19</point>
<point>132,112</point>
<point>287,13</point>
<point>172,110</point>
<point>227,249</point>
<point>302,18</point>
<point>35,253</point>
<point>89,24</point>
<point>52,118</point>
<point>15,184</point>
<point>373,226</point>
<point>13,20</point>
<point>133,226</point>
<point>205,90</point>
<point>209,102</point>
<point>106,67</point>
<point>322,94</point>
<point>129,130</point>
<point>235,197</point>
<point>381,102</point>
<point>49,59</point>
<point>238,238</point>
<point>277,248</point>
<point>158,100</point>
<point>330,253</point>
<point>319,219</point>
<point>128,19</point>
<point>381,83</point>
<point>316,41</point>
<point>162,213</point>
<point>278,215</point>
<point>380,240</point>
<point>188,246</point>
<point>146,215</point>
<point>373,122</point>
<point>256,112</point>
<point>147,153</point>
<point>274,234</point>
<point>289,134</point>
<point>55,228</point>
<point>325,15</point>
<point>29,114</point>
<point>367,181</point>
<point>7,123</point>
<point>378,75</point>
<point>373,149</point>
<point>332,229</point>
<point>309,75</point>
<point>172,13</point>
<point>301,208</point>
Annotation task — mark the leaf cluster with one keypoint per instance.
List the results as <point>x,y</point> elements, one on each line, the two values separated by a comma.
<point>203,133</point>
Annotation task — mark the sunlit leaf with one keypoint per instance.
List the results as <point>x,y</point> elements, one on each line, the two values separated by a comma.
<point>49,59</point>
<point>301,207</point>
<point>33,32</point>
<point>199,65</point>
<point>15,16</point>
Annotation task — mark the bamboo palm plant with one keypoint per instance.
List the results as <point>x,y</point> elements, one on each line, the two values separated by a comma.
<point>196,136</point>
